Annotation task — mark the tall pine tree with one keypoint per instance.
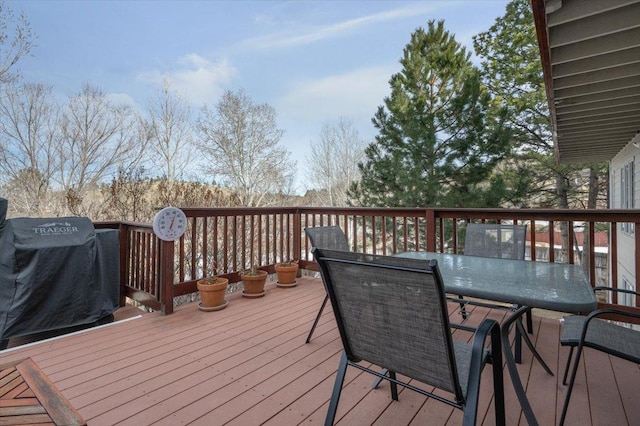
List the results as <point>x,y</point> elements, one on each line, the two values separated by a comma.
<point>436,144</point>
<point>512,70</point>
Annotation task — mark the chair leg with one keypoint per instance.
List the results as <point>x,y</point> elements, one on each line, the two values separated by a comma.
<point>394,386</point>
<point>315,322</point>
<point>574,371</point>
<point>566,368</point>
<point>337,389</point>
<point>498,378</point>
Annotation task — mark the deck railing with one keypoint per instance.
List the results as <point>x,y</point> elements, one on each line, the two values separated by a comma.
<point>229,240</point>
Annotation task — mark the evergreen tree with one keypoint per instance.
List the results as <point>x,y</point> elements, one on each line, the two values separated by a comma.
<point>436,145</point>
<point>512,70</point>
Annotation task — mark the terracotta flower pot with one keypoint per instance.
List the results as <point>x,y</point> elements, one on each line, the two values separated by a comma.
<point>287,274</point>
<point>254,283</point>
<point>212,292</point>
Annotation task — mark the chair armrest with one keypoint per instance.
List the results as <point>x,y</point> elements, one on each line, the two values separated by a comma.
<point>608,311</point>
<point>486,328</point>
<point>491,328</point>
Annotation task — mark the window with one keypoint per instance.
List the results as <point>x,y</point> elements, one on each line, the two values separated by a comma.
<point>626,192</point>
<point>627,299</point>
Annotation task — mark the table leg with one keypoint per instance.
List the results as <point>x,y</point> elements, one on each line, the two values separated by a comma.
<point>524,335</point>
<point>511,366</point>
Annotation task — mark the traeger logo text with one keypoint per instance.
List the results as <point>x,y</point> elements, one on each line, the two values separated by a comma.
<point>55,228</point>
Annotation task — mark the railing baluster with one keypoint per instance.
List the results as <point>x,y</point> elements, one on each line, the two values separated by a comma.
<point>533,240</point>
<point>384,235</point>
<point>552,242</point>
<point>636,228</point>
<point>225,243</point>
<point>205,248</point>
<point>592,253</point>
<point>260,242</point>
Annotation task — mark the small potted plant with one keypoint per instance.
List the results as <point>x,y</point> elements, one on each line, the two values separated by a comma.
<point>253,281</point>
<point>212,290</point>
<point>287,272</point>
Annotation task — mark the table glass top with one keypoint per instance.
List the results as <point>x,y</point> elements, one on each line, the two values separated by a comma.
<point>553,286</point>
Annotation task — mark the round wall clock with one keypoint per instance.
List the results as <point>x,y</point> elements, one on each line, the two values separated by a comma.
<point>169,223</point>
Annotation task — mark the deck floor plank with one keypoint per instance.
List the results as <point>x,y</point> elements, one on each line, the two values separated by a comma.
<point>228,402</point>
<point>224,362</point>
<point>627,375</point>
<point>204,349</point>
<point>601,379</point>
<point>545,339</point>
<point>191,368</point>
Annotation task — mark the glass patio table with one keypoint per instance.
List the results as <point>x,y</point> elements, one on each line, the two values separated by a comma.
<point>553,286</point>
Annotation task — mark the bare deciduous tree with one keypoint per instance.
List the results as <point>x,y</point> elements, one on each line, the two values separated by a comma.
<point>16,41</point>
<point>241,143</point>
<point>333,163</point>
<point>28,142</point>
<point>170,133</point>
<point>98,137</point>
<point>125,197</point>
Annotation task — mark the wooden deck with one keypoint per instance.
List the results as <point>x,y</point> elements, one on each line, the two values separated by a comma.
<point>248,365</point>
<point>27,397</point>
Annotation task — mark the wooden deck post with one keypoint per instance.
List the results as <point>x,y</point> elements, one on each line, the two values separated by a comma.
<point>431,230</point>
<point>124,262</point>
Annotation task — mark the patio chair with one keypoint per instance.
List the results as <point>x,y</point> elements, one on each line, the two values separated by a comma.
<point>614,338</point>
<point>327,237</point>
<point>392,312</point>
<point>497,241</point>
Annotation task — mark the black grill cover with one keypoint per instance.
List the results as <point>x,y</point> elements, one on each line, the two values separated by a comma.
<point>53,276</point>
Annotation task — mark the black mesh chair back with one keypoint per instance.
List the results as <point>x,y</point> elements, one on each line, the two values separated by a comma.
<point>495,240</point>
<point>325,237</point>
<point>392,312</point>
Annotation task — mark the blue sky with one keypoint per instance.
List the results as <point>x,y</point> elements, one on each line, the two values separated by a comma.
<point>313,61</point>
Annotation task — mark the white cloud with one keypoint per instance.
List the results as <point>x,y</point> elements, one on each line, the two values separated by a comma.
<point>122,99</point>
<point>309,35</point>
<point>356,94</point>
<point>198,79</point>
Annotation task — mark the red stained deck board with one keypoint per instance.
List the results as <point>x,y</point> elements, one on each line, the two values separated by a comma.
<point>191,367</point>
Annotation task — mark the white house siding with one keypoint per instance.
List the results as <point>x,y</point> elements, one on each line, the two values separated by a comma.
<point>626,243</point>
